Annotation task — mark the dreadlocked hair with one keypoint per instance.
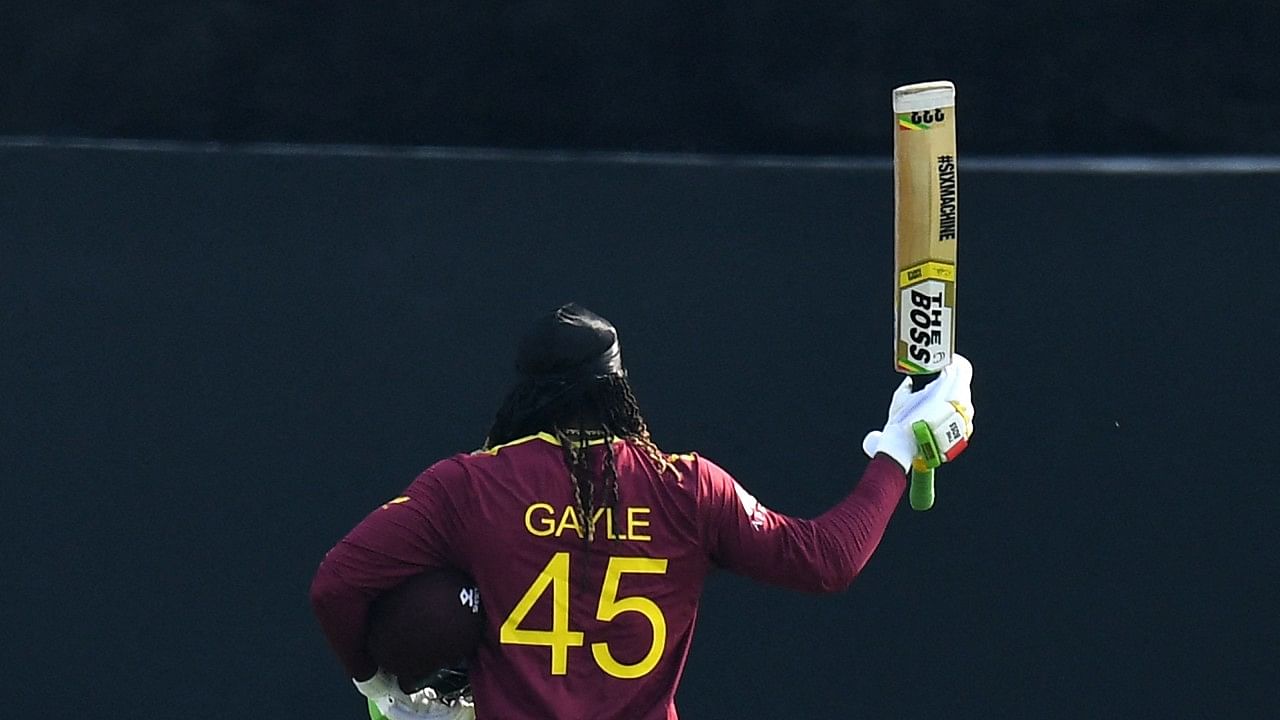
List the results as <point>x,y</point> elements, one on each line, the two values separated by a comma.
<point>611,404</point>
<point>514,417</point>
<point>620,412</point>
<point>576,453</point>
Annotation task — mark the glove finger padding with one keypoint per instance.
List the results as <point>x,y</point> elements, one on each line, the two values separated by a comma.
<point>903,398</point>
<point>941,433</point>
<point>871,442</point>
<point>384,694</point>
<point>956,379</point>
<point>388,702</point>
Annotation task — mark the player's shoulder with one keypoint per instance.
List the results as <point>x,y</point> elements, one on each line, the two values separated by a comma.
<point>709,477</point>
<point>693,462</point>
<point>684,463</point>
<point>526,452</point>
<point>444,473</point>
<point>518,446</point>
<point>696,467</point>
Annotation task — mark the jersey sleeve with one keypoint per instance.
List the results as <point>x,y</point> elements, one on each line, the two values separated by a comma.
<point>824,554</point>
<point>407,535</point>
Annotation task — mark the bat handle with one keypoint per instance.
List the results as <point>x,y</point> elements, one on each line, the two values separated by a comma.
<point>921,493</point>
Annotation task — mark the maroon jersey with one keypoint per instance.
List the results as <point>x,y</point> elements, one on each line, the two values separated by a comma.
<point>579,629</point>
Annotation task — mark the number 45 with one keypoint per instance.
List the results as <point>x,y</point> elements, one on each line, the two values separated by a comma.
<point>560,638</point>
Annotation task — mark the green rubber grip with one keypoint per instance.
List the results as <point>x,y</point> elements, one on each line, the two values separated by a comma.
<point>921,493</point>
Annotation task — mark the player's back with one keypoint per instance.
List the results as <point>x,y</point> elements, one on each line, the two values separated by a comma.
<point>579,629</point>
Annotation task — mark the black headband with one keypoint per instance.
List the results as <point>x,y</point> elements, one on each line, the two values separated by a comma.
<point>569,344</point>
<point>599,367</point>
<point>563,354</point>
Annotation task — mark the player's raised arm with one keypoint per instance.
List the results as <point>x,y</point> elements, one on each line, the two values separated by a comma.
<point>826,553</point>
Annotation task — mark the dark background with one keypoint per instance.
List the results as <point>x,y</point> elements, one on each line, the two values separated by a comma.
<point>216,364</point>
<point>215,361</point>
<point>1080,76</point>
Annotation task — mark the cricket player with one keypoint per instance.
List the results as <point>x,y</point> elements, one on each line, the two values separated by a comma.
<point>590,545</point>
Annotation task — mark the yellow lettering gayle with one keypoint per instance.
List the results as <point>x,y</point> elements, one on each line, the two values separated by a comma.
<point>569,519</point>
<point>608,522</point>
<point>547,524</point>
<point>634,522</point>
<point>540,519</point>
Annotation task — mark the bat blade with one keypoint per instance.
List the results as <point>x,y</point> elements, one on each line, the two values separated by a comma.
<point>925,237</point>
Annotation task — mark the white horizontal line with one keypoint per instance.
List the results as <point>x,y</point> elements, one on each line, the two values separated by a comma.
<point>1127,164</point>
<point>1048,164</point>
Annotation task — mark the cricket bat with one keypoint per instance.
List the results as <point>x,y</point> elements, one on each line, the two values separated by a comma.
<point>924,183</point>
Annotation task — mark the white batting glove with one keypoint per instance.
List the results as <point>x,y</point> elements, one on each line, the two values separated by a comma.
<point>388,702</point>
<point>944,405</point>
<point>383,691</point>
